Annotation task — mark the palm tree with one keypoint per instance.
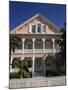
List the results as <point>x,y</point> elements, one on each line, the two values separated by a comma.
<point>23,69</point>
<point>15,41</point>
<point>21,65</point>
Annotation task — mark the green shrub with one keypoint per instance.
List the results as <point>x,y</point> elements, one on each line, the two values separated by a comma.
<point>27,74</point>
<point>26,68</point>
<point>14,75</point>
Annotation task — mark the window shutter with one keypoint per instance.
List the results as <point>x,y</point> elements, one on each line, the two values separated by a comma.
<point>29,29</point>
<point>46,28</point>
<point>43,28</point>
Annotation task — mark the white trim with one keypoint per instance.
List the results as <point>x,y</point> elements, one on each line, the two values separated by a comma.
<point>48,21</point>
<point>37,27</point>
<point>21,25</point>
<point>38,22</point>
<point>42,28</point>
<point>30,29</point>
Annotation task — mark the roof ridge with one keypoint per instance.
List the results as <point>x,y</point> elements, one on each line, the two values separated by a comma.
<point>34,16</point>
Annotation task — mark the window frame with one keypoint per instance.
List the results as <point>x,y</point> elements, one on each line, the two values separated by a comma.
<point>33,31</point>
<point>39,63</point>
<point>44,30</point>
<point>38,23</point>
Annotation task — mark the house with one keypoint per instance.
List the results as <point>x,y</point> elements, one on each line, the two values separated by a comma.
<point>38,36</point>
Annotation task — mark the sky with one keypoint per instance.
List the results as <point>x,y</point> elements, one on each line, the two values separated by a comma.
<point>21,11</point>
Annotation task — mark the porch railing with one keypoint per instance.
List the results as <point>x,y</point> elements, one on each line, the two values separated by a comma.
<point>38,51</point>
<point>18,50</point>
<point>28,50</point>
<point>35,51</point>
<point>48,50</point>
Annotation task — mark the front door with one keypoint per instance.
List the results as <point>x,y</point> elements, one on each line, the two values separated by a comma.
<point>38,67</point>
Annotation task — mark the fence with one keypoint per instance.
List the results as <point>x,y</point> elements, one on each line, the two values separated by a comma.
<point>37,82</point>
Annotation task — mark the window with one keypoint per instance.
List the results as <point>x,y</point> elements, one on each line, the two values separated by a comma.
<point>30,46</point>
<point>38,44</point>
<point>44,28</point>
<point>29,63</point>
<point>48,44</point>
<point>38,27</point>
<point>38,63</point>
<point>19,45</point>
<point>33,28</point>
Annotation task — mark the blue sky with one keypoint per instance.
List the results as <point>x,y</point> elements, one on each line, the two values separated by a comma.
<point>21,11</point>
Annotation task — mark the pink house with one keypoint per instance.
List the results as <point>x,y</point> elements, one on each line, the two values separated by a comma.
<point>38,36</point>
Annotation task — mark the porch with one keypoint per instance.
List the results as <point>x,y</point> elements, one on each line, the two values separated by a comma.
<point>37,46</point>
<point>37,65</point>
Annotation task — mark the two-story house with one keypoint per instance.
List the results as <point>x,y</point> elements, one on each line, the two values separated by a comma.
<point>38,36</point>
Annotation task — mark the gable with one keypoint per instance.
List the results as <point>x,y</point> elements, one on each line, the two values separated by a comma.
<point>27,27</point>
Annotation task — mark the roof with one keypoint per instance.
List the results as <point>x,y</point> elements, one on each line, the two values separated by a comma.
<point>35,16</point>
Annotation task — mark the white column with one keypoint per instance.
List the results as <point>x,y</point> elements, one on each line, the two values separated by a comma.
<point>53,40</point>
<point>43,45</point>
<point>33,44</point>
<point>23,40</point>
<point>33,59</point>
<point>44,66</point>
<point>11,62</point>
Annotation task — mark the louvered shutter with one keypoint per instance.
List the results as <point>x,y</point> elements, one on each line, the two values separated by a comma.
<point>30,29</point>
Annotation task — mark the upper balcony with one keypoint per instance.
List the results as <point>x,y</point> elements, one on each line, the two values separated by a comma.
<point>37,46</point>
<point>19,51</point>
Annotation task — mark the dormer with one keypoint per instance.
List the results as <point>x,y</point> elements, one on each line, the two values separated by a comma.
<point>38,28</point>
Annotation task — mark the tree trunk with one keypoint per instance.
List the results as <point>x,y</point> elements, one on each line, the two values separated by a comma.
<point>21,75</point>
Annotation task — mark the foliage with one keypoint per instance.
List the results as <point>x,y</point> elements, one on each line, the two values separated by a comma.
<point>14,75</point>
<point>15,41</point>
<point>55,59</point>
<point>62,44</point>
<point>27,74</point>
<point>23,70</point>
